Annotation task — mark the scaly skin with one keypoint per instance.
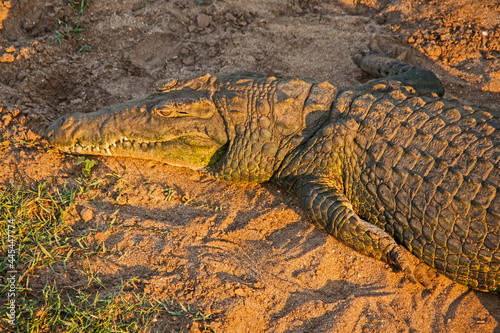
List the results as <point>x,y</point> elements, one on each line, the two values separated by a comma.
<point>376,165</point>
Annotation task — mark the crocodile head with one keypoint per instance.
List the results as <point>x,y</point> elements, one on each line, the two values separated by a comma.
<point>245,120</point>
<point>178,127</point>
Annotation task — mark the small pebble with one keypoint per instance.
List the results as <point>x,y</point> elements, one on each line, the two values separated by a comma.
<point>87,214</point>
<point>203,20</point>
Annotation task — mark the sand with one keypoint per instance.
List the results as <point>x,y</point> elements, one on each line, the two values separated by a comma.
<point>245,253</point>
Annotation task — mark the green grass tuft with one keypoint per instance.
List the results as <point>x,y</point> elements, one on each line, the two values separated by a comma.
<point>41,236</point>
<point>42,240</point>
<point>72,28</point>
<point>92,312</point>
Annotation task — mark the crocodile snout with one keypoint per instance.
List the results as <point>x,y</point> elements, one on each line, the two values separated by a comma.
<point>59,128</point>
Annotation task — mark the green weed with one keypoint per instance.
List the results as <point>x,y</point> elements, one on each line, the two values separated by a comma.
<point>89,164</point>
<point>92,312</point>
<point>72,30</point>
<point>78,6</point>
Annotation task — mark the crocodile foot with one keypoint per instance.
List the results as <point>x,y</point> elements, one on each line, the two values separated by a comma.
<point>414,270</point>
<point>425,275</point>
<point>402,260</point>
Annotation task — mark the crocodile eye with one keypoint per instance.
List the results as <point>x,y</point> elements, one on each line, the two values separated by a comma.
<point>164,113</point>
<point>185,103</point>
<point>165,110</point>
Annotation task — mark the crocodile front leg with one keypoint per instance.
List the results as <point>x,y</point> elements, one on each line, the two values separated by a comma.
<point>329,209</point>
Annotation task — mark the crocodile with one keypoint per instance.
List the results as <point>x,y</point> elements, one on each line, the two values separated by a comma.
<point>388,167</point>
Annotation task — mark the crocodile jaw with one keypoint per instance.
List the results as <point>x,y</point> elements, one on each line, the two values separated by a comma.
<point>180,128</point>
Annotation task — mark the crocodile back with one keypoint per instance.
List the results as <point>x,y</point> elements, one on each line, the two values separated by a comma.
<point>427,171</point>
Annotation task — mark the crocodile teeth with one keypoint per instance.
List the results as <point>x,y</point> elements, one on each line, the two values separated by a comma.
<point>98,149</point>
<point>114,144</point>
<point>107,151</point>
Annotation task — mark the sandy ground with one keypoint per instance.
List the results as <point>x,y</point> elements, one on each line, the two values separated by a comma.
<point>257,264</point>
